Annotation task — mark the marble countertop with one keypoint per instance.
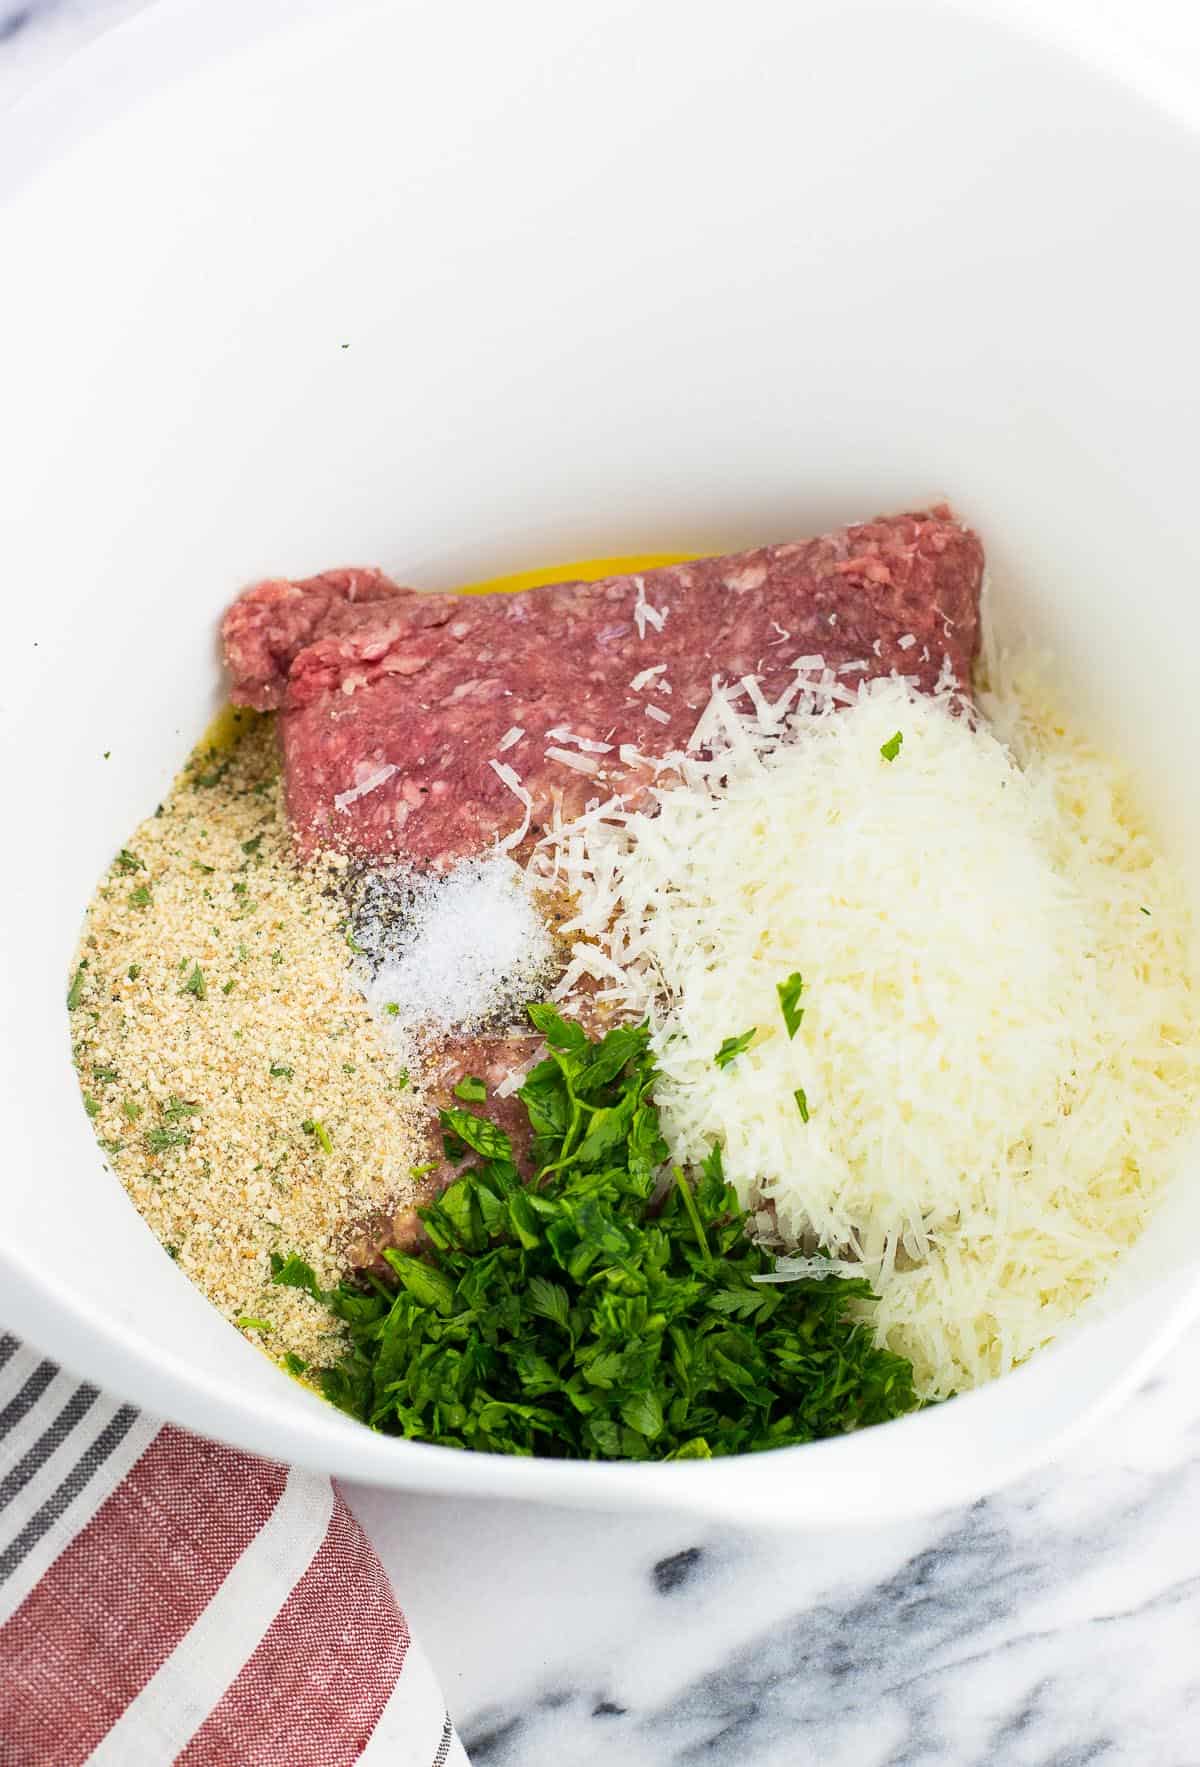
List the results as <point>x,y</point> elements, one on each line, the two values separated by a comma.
<point>1054,1625</point>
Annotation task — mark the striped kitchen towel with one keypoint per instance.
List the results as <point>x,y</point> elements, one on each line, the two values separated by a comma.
<point>164,1599</point>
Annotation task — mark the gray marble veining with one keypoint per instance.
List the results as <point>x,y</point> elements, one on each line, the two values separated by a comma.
<point>1051,1625</point>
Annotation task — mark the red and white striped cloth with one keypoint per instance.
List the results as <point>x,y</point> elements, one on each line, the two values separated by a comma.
<point>164,1599</point>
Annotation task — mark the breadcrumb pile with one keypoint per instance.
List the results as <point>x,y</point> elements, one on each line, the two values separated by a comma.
<point>237,1083</point>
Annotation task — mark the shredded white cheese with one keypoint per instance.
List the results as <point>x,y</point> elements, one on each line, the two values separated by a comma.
<point>568,758</point>
<point>643,614</point>
<point>370,781</point>
<point>1000,1052</point>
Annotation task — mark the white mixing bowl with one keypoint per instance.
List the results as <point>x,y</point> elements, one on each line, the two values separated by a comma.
<point>458,290</point>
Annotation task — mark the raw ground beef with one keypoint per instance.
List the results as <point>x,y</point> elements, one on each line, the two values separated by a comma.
<point>403,699</point>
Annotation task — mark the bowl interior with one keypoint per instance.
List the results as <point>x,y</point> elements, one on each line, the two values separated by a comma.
<point>566,282</point>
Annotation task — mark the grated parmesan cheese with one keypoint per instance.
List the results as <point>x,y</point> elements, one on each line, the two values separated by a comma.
<point>999,1048</point>
<point>568,758</point>
<point>371,779</point>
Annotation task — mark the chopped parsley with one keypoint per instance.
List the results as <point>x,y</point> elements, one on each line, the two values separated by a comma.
<point>91,1105</point>
<point>176,1108</point>
<point>131,1110</point>
<point>294,1364</point>
<point>134,971</point>
<point>213,777</point>
<point>575,1315</point>
<point>320,1134</point>
<point>252,846</point>
<point>733,1047</point>
<point>801,1098</point>
<point>789,993</point>
<point>160,1139</point>
<point>249,1322</point>
<point>891,748</point>
<point>1145,911</point>
<point>105,1076</point>
<point>127,861</point>
<point>471,1090</point>
<point>139,898</point>
<point>391,1008</point>
<point>279,1070</point>
<point>195,983</point>
<point>75,991</point>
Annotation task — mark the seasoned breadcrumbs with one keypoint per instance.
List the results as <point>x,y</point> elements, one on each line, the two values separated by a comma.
<point>237,1084</point>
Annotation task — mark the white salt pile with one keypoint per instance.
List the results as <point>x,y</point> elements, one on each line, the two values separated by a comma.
<point>458,951</point>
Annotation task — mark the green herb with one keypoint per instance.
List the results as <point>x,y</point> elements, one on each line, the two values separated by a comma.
<point>134,971</point>
<point>91,1105</point>
<point>215,776</point>
<point>1145,911</point>
<point>159,1140</point>
<point>172,1251</point>
<point>200,866</point>
<point>733,1047</point>
<point>105,1076</point>
<point>401,1080</point>
<point>75,991</point>
<point>229,986</point>
<point>277,957</point>
<point>314,1127</point>
<point>891,748</point>
<point>801,1098</point>
<point>293,1363</point>
<point>139,898</point>
<point>789,993</point>
<point>574,1315</point>
<point>471,1090</point>
<point>131,1110</point>
<point>252,846</point>
<point>420,1171</point>
<point>195,983</point>
<point>293,1272</point>
<point>391,1008</point>
<point>248,1322</point>
<point>348,1067</point>
<point>279,1071</point>
<point>359,950</point>
<point>177,1108</point>
<point>127,861</point>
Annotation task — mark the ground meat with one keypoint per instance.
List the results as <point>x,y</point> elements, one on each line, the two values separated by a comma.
<point>393,704</point>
